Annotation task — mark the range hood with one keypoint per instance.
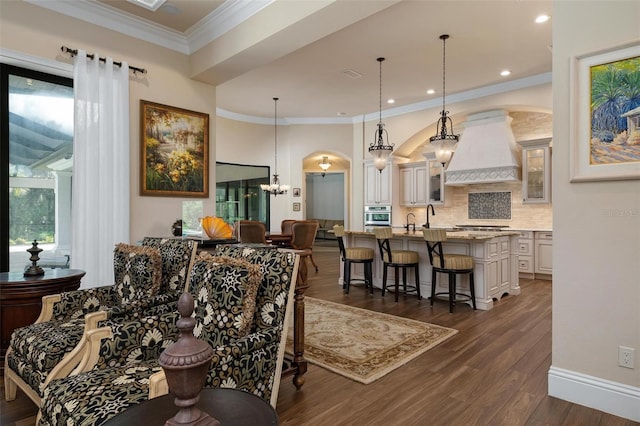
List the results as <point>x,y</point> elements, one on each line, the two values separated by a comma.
<point>486,153</point>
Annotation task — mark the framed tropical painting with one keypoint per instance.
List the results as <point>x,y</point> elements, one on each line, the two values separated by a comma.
<point>605,130</point>
<point>174,151</point>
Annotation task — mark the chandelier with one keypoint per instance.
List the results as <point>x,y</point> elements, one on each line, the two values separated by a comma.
<point>275,187</point>
<point>324,165</point>
<point>443,141</point>
<point>378,149</point>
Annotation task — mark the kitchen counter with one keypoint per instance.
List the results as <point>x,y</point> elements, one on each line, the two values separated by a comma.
<point>451,234</point>
<point>494,253</point>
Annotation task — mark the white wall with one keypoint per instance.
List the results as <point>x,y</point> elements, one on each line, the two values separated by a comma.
<point>596,267</point>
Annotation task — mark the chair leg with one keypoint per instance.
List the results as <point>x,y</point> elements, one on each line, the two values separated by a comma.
<point>472,288</point>
<point>418,282</point>
<point>368,276</point>
<point>397,276</point>
<point>313,262</point>
<point>404,280</point>
<point>452,291</point>
<point>384,279</point>
<point>433,285</point>
<point>347,276</point>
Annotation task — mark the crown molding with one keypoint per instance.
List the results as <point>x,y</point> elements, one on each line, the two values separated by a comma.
<point>224,18</point>
<point>112,19</point>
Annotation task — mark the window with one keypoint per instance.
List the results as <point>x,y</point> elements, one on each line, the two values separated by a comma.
<point>36,167</point>
<point>238,193</point>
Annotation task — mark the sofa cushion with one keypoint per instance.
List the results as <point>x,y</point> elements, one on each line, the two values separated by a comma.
<point>137,271</point>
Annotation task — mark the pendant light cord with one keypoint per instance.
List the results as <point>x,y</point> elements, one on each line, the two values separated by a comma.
<point>275,133</point>
<point>444,38</point>
<point>380,61</point>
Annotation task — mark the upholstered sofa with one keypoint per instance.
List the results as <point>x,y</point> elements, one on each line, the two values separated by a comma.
<point>121,367</point>
<point>326,225</point>
<point>36,352</point>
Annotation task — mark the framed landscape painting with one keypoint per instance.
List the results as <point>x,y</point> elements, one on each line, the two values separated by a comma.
<point>605,128</point>
<point>174,151</point>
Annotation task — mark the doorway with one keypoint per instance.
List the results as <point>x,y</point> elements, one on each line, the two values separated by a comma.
<point>325,196</point>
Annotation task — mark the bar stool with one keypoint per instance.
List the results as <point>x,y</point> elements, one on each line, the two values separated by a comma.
<point>352,255</point>
<point>450,264</point>
<point>396,259</point>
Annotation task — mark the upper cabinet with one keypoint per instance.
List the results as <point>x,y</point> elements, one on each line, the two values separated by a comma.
<point>413,184</point>
<point>435,180</point>
<point>536,171</point>
<point>377,185</point>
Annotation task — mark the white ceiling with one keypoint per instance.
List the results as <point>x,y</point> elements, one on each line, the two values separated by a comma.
<point>485,38</point>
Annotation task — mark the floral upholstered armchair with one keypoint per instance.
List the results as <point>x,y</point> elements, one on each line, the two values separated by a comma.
<point>234,299</point>
<point>149,279</point>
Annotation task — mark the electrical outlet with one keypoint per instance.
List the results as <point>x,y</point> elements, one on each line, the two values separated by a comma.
<point>626,356</point>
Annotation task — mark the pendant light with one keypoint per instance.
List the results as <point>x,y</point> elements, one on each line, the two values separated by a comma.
<point>443,141</point>
<point>275,187</point>
<point>324,165</point>
<point>378,149</point>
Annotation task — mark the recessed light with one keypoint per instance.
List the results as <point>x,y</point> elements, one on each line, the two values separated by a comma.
<point>540,19</point>
<point>391,101</point>
<point>148,4</point>
<point>505,73</point>
<point>430,92</point>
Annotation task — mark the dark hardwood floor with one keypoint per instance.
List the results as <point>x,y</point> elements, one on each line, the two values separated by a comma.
<point>493,372</point>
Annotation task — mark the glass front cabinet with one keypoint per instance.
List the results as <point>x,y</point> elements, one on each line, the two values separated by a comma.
<point>435,180</point>
<point>536,171</point>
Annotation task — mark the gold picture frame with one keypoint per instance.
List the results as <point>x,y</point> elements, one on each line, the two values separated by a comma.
<point>296,207</point>
<point>174,151</point>
<point>605,129</point>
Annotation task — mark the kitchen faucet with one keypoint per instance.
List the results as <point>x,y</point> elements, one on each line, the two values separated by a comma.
<point>433,213</point>
<point>411,224</point>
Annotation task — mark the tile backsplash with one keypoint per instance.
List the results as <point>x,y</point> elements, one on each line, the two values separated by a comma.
<point>489,205</point>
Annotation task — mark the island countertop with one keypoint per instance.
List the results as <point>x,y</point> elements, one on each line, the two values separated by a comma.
<point>495,255</point>
<point>453,235</point>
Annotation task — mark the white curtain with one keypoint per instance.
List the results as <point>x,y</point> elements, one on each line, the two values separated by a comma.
<point>100,190</point>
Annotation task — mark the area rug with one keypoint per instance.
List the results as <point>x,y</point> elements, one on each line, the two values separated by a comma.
<point>360,344</point>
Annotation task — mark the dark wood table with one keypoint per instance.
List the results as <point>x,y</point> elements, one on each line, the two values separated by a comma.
<point>230,406</point>
<point>21,298</point>
<point>282,240</point>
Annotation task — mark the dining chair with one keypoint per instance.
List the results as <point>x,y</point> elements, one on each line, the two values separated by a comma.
<point>351,255</point>
<point>251,231</point>
<point>450,264</point>
<point>303,234</point>
<point>397,259</point>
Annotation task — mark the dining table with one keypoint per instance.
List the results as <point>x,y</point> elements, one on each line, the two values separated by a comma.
<point>281,240</point>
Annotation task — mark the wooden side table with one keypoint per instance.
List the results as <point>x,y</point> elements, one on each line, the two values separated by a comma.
<point>229,406</point>
<point>21,298</point>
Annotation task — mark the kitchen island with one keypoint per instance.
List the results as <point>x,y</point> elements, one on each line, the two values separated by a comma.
<point>495,255</point>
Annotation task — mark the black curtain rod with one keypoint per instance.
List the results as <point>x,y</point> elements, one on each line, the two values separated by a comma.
<point>74,52</point>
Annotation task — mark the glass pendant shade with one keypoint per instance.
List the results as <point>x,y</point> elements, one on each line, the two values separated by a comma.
<point>324,165</point>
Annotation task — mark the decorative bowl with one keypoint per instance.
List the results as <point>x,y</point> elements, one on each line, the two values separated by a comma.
<point>216,228</point>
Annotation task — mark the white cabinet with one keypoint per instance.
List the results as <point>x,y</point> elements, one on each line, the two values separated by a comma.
<point>543,253</point>
<point>377,184</point>
<point>435,180</point>
<point>413,184</point>
<point>524,249</point>
<point>536,171</point>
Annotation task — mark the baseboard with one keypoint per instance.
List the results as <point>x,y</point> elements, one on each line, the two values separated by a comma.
<point>593,392</point>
